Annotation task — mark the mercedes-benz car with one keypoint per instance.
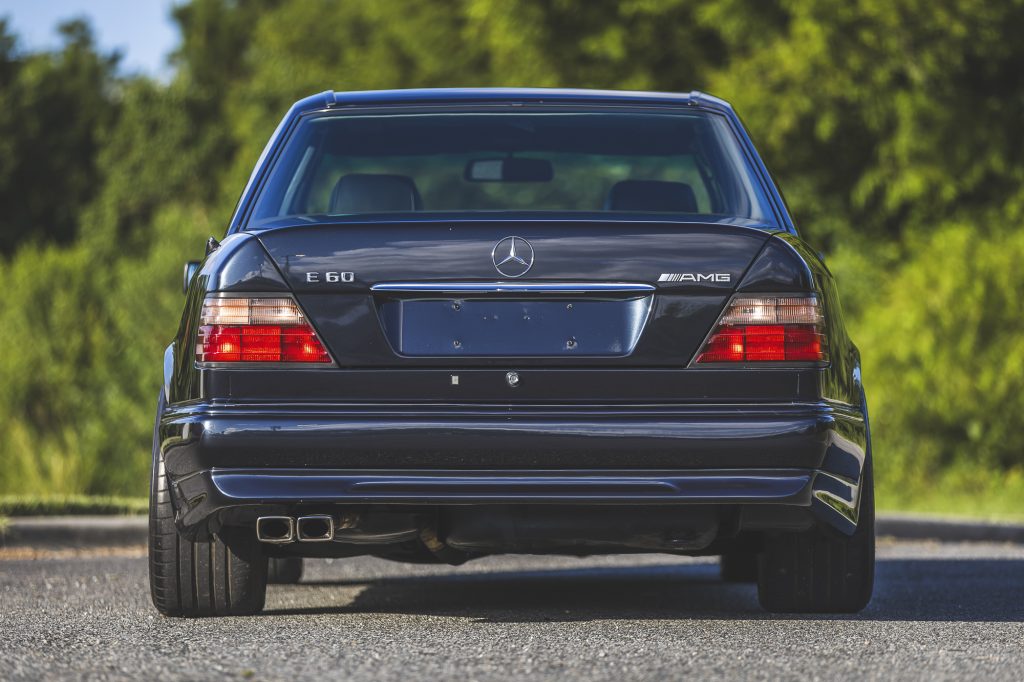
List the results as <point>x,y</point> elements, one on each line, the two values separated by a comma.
<point>447,324</point>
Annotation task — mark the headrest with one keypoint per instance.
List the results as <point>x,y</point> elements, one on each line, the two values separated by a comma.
<point>651,195</point>
<point>369,193</point>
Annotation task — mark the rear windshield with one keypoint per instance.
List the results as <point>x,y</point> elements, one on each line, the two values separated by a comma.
<point>675,164</point>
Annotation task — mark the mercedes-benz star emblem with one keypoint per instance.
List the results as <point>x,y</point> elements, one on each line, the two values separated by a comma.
<point>512,256</point>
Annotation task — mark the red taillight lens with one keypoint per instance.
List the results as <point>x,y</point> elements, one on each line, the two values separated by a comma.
<point>256,330</point>
<point>767,329</point>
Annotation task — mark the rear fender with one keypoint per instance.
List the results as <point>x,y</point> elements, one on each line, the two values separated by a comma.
<point>239,264</point>
<point>788,264</point>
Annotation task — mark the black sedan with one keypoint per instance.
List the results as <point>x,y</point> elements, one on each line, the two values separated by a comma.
<point>446,324</point>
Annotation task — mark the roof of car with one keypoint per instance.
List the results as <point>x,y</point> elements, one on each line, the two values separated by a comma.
<point>330,98</point>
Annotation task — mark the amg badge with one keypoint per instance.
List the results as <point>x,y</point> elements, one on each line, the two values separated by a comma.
<point>695,277</point>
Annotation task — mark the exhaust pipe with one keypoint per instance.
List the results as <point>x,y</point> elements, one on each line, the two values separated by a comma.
<point>318,528</point>
<point>277,530</point>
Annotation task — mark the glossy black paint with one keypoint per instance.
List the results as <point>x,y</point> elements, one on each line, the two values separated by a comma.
<point>354,321</point>
<point>481,437</point>
<point>429,251</point>
<point>596,422</point>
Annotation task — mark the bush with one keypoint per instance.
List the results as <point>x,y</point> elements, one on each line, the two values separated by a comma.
<point>943,353</point>
<point>81,345</point>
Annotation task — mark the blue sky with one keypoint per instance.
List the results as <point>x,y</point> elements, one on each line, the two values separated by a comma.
<point>140,29</point>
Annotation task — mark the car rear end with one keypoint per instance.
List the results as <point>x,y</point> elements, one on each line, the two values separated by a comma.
<point>448,329</point>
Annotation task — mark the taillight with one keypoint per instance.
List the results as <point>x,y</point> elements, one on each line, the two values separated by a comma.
<point>767,329</point>
<point>256,330</point>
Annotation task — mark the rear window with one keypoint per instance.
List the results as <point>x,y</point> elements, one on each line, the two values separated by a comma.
<point>677,164</point>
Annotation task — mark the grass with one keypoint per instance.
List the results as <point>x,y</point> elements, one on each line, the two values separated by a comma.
<point>62,505</point>
<point>970,493</point>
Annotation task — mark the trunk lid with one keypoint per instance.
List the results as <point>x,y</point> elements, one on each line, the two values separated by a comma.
<point>572,293</point>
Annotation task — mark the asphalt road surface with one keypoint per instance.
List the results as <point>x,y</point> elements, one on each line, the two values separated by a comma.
<point>940,611</point>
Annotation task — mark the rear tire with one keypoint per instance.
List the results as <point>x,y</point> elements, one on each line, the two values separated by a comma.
<point>284,570</point>
<point>739,567</point>
<point>821,571</point>
<point>225,576</point>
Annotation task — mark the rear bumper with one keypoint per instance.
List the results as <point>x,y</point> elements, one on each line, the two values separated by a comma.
<point>831,499</point>
<point>227,456</point>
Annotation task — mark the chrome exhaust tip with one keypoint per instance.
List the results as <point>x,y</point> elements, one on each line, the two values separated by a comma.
<point>277,530</point>
<point>317,528</point>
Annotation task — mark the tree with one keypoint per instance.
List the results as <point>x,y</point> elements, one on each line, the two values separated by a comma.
<point>56,109</point>
<point>881,116</point>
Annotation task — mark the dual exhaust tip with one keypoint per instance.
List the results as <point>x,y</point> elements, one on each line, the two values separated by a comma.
<point>281,530</point>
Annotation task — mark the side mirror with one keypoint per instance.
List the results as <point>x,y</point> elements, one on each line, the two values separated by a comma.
<point>191,268</point>
<point>510,169</point>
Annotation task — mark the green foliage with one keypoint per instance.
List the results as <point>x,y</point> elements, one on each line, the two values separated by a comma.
<point>69,505</point>
<point>964,489</point>
<point>892,126</point>
<point>881,116</point>
<point>944,357</point>
<point>154,158</point>
<point>81,365</point>
<point>55,108</point>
